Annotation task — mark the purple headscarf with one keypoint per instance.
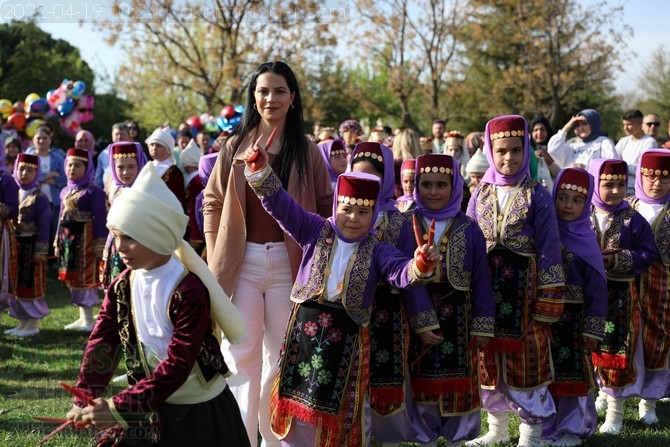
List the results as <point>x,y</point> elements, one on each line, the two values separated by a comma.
<point>387,200</point>
<point>326,147</point>
<point>2,155</point>
<point>35,183</point>
<point>88,175</point>
<point>595,167</point>
<point>375,209</point>
<point>492,175</point>
<point>205,166</point>
<point>141,161</point>
<point>454,205</point>
<point>578,235</point>
<point>639,190</point>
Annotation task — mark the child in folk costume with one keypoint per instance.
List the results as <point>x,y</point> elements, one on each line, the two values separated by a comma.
<point>190,158</point>
<point>444,377</point>
<point>321,394</point>
<point>580,328</point>
<point>394,416</point>
<point>628,249</point>
<point>163,314</point>
<point>205,167</point>
<point>406,201</point>
<point>9,205</point>
<point>652,201</point>
<point>335,156</point>
<point>518,219</point>
<point>127,160</point>
<point>81,235</point>
<point>160,144</point>
<point>32,246</point>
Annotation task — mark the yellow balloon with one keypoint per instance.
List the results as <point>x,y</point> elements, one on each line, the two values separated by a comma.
<point>30,98</point>
<point>5,108</point>
<point>32,126</point>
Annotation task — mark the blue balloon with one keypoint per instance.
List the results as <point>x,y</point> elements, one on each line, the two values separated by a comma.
<point>78,89</point>
<point>66,108</point>
<point>239,109</point>
<point>222,122</point>
<point>39,106</point>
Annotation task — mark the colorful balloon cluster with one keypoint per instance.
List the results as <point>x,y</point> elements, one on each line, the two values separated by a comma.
<point>71,105</point>
<point>228,118</point>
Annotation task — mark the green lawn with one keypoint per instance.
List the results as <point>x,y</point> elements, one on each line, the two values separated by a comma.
<point>31,368</point>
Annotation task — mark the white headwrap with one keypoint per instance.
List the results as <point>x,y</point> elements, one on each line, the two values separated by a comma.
<point>162,136</point>
<point>478,163</point>
<point>190,156</point>
<point>152,215</point>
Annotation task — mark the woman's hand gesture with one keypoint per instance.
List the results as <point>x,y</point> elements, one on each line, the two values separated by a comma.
<point>256,157</point>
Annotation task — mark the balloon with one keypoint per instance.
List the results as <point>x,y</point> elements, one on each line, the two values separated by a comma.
<point>78,89</point>
<point>66,108</point>
<point>221,122</point>
<point>206,118</point>
<point>85,116</point>
<point>227,111</point>
<point>55,98</point>
<point>5,108</point>
<point>193,121</point>
<point>211,126</point>
<point>18,107</point>
<point>235,121</point>
<point>31,97</point>
<point>86,102</point>
<point>70,124</point>
<point>17,121</point>
<point>38,107</point>
<point>239,109</point>
<point>32,126</point>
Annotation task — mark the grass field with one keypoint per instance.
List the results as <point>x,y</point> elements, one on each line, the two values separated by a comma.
<point>31,368</point>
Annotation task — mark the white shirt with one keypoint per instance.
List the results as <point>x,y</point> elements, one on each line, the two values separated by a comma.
<point>151,291</point>
<point>340,257</point>
<point>630,149</point>
<point>649,211</point>
<point>162,166</point>
<point>575,150</point>
<point>45,166</point>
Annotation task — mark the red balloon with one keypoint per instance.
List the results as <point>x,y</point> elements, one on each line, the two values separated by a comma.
<point>227,111</point>
<point>193,121</point>
<point>18,107</point>
<point>17,120</point>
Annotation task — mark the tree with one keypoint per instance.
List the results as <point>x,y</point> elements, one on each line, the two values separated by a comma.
<point>413,42</point>
<point>551,57</point>
<point>655,83</point>
<point>200,53</point>
<point>32,61</point>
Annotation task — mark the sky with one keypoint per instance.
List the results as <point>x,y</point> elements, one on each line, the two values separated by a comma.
<point>648,20</point>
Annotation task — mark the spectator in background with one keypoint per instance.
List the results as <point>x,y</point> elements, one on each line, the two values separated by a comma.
<point>540,160</point>
<point>588,143</point>
<point>203,141</point>
<point>438,136</point>
<point>316,130</point>
<point>474,141</point>
<point>406,146</point>
<point>85,140</point>
<point>12,150</point>
<point>630,147</point>
<point>651,125</point>
<point>351,131</point>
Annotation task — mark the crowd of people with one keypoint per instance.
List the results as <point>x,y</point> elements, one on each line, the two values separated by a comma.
<point>369,284</point>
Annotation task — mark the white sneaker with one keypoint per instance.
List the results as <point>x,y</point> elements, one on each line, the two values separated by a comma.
<point>601,401</point>
<point>21,325</point>
<point>74,326</point>
<point>647,412</point>
<point>86,327</point>
<point>27,332</point>
<point>614,417</point>
<point>498,431</point>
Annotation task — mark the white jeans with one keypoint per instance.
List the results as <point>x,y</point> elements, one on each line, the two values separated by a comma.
<point>262,295</point>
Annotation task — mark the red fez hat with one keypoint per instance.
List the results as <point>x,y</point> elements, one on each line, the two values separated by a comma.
<point>124,149</point>
<point>28,159</point>
<point>435,163</point>
<point>357,191</point>
<point>575,180</point>
<point>78,154</point>
<point>337,148</point>
<point>408,165</point>
<point>506,127</point>
<point>614,170</point>
<point>655,163</point>
<point>369,149</point>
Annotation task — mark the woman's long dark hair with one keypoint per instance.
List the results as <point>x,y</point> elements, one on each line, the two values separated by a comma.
<point>295,146</point>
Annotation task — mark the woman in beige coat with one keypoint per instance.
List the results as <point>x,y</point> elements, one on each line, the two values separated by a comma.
<point>248,253</point>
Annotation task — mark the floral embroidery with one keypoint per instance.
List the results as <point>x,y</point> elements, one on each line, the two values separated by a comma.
<point>609,327</point>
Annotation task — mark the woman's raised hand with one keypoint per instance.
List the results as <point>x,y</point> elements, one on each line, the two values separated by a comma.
<point>256,157</point>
